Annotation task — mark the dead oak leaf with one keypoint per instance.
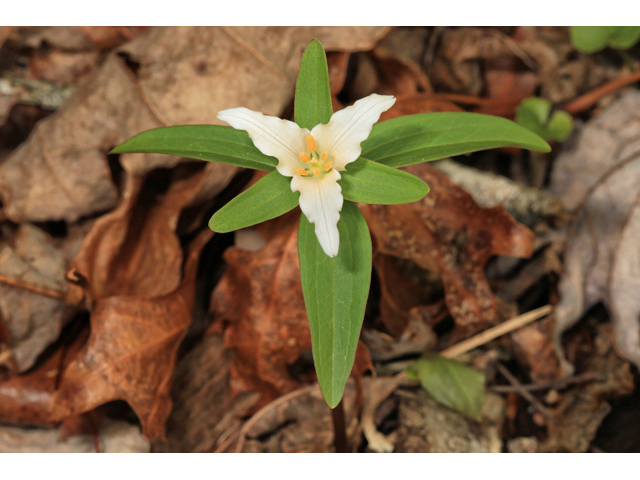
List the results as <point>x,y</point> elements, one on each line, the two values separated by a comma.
<point>131,353</point>
<point>449,233</point>
<point>260,295</point>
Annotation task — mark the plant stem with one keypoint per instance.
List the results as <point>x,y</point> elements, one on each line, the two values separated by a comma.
<point>339,429</point>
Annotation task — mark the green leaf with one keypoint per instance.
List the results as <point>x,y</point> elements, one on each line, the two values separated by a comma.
<point>533,113</point>
<point>370,182</point>
<point>313,96</point>
<point>451,383</point>
<point>335,294</point>
<point>560,126</point>
<point>589,39</point>
<point>268,198</point>
<point>204,142</point>
<point>624,37</point>
<point>423,137</point>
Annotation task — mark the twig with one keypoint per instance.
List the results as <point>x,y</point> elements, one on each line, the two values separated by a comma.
<point>32,288</point>
<point>557,385</point>
<point>495,332</point>
<point>524,393</point>
<point>587,100</point>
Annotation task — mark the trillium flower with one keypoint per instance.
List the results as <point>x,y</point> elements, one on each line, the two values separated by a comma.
<point>314,159</point>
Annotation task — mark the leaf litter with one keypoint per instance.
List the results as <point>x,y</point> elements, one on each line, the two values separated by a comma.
<point>118,239</point>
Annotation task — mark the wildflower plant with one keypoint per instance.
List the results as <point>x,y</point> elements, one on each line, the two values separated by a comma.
<point>325,162</point>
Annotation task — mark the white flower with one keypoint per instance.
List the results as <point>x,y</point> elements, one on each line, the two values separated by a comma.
<point>314,158</point>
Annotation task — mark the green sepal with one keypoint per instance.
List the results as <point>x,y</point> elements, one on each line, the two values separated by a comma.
<point>451,383</point>
<point>268,198</point>
<point>204,142</point>
<point>371,182</point>
<point>335,294</point>
<point>313,96</point>
<point>424,137</point>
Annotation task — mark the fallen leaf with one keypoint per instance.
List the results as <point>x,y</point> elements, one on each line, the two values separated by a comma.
<point>451,383</point>
<point>28,398</point>
<point>260,296</point>
<point>131,352</point>
<point>34,318</point>
<point>114,437</point>
<point>598,177</point>
<point>449,234</point>
<point>403,286</point>
<point>134,249</point>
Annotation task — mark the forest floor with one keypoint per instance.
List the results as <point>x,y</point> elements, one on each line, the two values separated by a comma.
<point>127,325</point>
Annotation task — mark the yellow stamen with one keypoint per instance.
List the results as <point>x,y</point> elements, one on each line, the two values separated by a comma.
<point>316,172</point>
<point>301,171</point>
<point>311,143</point>
<point>324,156</point>
<point>328,165</point>
<point>304,157</point>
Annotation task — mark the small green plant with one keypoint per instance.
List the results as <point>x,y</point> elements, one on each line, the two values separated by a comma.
<point>324,162</point>
<point>594,39</point>
<point>535,114</point>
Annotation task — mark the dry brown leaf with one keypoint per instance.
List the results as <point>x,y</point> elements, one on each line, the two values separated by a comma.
<point>260,295</point>
<point>403,286</point>
<point>449,234</point>
<point>602,170</point>
<point>28,398</point>
<point>114,437</point>
<point>134,90</point>
<point>131,353</point>
<point>134,249</point>
<point>33,319</point>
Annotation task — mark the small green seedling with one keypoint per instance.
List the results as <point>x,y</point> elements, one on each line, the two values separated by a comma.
<point>325,162</point>
<point>535,114</point>
<point>594,39</point>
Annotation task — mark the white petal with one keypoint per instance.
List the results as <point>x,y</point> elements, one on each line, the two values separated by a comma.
<point>321,202</point>
<point>271,135</point>
<point>349,127</point>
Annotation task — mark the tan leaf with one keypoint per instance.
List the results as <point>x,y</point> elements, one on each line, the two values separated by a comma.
<point>34,316</point>
<point>599,178</point>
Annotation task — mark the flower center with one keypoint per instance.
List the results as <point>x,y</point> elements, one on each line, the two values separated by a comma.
<point>318,164</point>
